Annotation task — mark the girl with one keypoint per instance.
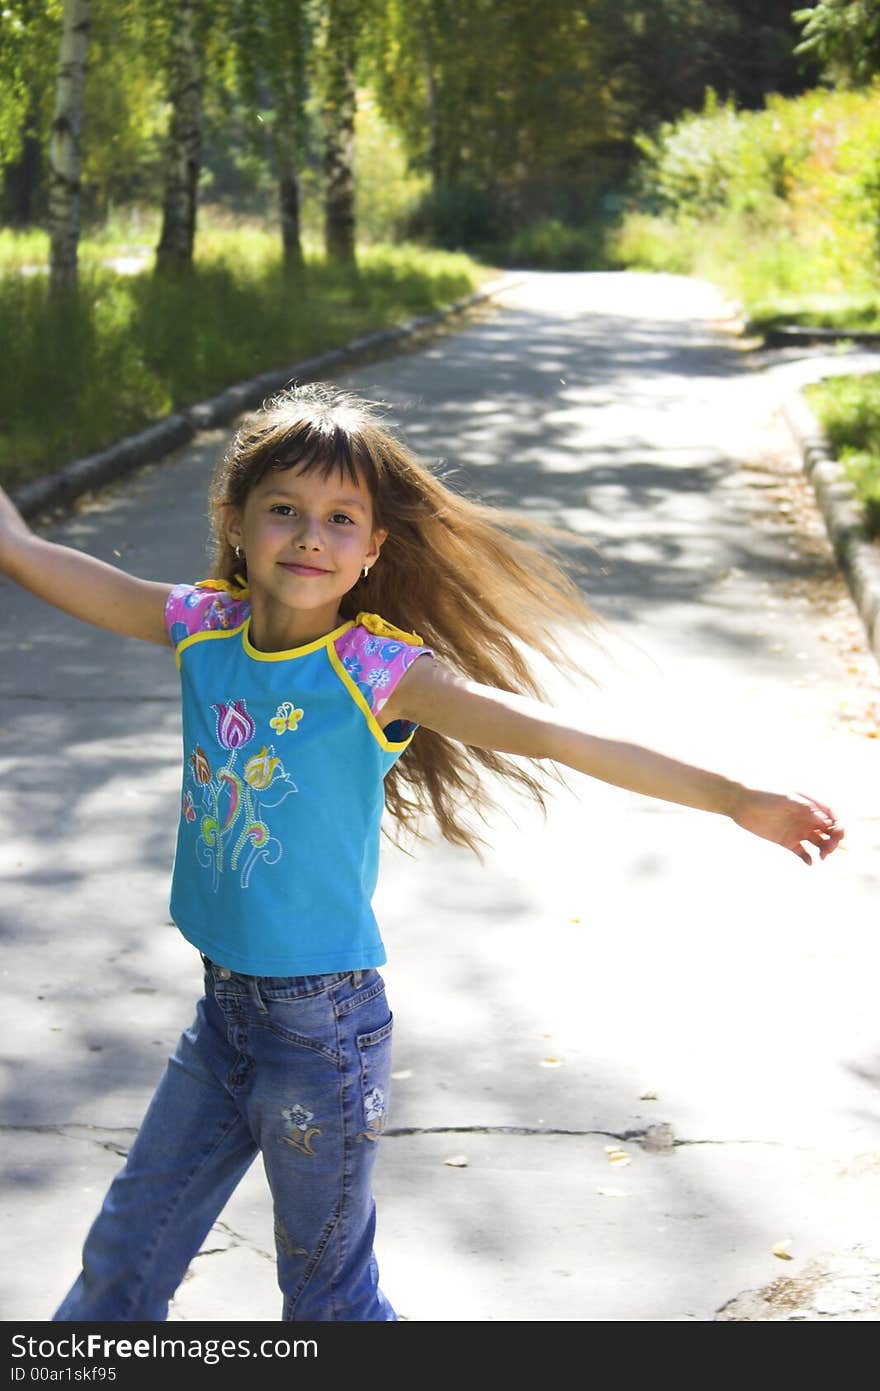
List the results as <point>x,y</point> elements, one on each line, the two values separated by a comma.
<point>355,600</point>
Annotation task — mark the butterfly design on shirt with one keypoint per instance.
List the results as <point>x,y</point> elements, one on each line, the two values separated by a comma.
<point>286,717</point>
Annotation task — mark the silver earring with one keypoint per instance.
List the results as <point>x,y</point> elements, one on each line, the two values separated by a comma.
<point>365,572</point>
<point>238,552</point>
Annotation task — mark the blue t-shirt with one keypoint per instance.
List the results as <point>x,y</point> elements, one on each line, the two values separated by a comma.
<point>284,760</point>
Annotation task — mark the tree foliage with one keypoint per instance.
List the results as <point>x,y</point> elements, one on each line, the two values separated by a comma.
<point>844,36</point>
<point>512,111</point>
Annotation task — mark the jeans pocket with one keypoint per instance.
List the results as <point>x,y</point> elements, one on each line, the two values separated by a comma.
<point>374,1051</point>
<point>305,1023</point>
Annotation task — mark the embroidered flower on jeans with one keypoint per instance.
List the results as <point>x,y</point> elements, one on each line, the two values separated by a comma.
<point>298,1116</point>
<point>374,1108</point>
<point>297,1119</point>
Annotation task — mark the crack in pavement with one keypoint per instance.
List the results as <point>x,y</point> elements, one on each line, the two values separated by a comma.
<point>75,1131</point>
<point>658,1136</point>
<point>236,1239</point>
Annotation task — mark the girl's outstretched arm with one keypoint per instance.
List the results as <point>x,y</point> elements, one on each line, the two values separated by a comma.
<point>432,695</point>
<point>79,584</point>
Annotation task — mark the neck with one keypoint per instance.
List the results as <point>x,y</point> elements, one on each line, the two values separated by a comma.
<point>276,628</point>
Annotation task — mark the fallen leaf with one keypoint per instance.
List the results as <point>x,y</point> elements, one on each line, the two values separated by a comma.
<point>551,1062</point>
<point>456,1161</point>
<point>618,1157</point>
<point>781,1249</point>
<point>647,1096</point>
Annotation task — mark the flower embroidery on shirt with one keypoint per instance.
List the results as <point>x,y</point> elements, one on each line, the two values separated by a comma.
<point>234,832</point>
<point>235,728</point>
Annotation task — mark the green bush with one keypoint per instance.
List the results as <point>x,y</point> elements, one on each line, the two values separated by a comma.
<point>554,245</point>
<point>848,409</point>
<point>781,206</point>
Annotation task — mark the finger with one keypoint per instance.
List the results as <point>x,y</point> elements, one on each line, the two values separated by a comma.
<point>818,835</point>
<point>819,805</point>
<point>835,836</point>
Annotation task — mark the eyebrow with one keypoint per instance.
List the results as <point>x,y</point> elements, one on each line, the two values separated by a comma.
<point>285,496</point>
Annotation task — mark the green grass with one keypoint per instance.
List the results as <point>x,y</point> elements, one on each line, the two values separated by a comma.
<point>848,409</point>
<point>777,281</point>
<point>776,278</point>
<point>130,348</point>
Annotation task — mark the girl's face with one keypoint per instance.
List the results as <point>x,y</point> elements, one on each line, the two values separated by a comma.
<point>306,538</point>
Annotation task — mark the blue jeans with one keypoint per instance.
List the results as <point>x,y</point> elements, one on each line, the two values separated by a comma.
<point>294,1067</point>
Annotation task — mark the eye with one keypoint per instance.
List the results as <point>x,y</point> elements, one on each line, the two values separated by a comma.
<point>342,517</point>
<point>282,508</point>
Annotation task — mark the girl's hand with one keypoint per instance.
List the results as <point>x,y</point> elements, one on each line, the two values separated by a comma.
<point>796,822</point>
<point>79,584</point>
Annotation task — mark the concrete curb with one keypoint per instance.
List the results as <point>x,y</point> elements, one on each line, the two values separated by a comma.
<point>857,555</point>
<point>799,334</point>
<point>59,489</point>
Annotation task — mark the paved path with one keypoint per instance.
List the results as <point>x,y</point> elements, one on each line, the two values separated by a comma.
<point>628,976</point>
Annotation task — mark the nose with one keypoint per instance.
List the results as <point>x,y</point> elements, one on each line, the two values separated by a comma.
<point>309,537</point>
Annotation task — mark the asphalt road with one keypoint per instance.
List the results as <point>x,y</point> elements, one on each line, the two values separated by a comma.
<point>648,1041</point>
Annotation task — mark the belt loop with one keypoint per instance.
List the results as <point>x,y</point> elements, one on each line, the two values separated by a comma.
<point>356,978</point>
<point>254,989</point>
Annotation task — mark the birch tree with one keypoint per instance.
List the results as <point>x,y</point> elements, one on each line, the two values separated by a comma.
<point>64,147</point>
<point>338,108</point>
<point>275,41</point>
<point>290,126</point>
<point>184,148</point>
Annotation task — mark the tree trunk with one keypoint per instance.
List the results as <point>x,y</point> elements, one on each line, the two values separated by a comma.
<point>429,66</point>
<point>64,147</point>
<point>289,201</point>
<point>339,113</point>
<point>184,150</point>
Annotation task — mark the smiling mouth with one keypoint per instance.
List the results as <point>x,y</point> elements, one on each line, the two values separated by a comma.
<point>298,569</point>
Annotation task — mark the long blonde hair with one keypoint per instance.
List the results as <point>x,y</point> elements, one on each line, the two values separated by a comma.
<point>452,569</point>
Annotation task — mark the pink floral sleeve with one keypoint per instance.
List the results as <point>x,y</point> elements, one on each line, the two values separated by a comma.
<point>193,609</point>
<point>375,654</point>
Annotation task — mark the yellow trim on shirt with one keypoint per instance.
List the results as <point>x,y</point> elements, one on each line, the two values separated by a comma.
<point>254,652</point>
<point>363,705</point>
<point>291,651</point>
<point>203,636</point>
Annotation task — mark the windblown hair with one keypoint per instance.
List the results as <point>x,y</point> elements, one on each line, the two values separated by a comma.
<point>452,570</point>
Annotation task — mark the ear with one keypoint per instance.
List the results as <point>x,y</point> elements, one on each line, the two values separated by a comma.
<point>231,524</point>
<point>377,540</point>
